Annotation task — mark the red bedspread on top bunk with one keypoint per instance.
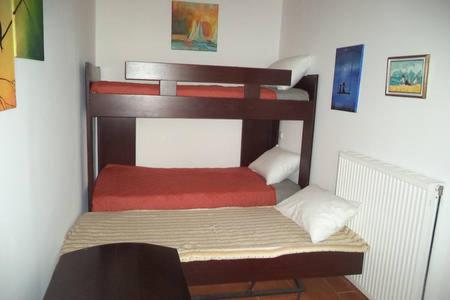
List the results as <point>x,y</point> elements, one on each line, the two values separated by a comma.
<point>212,91</point>
<point>127,187</point>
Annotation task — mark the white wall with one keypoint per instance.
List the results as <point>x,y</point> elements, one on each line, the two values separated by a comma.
<point>408,132</point>
<point>41,181</point>
<point>249,34</point>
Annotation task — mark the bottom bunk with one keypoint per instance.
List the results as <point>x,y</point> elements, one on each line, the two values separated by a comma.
<point>120,187</point>
<point>225,244</point>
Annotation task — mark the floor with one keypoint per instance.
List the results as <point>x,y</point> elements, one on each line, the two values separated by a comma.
<point>330,288</point>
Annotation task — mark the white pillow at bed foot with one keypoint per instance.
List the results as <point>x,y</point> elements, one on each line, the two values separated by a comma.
<point>318,211</point>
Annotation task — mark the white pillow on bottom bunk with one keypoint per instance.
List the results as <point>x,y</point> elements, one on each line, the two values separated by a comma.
<point>276,164</point>
<point>318,211</point>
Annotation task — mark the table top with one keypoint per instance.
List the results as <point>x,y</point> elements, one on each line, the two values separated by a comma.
<point>119,271</point>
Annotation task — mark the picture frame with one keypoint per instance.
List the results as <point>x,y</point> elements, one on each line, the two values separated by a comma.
<point>194,26</point>
<point>407,76</point>
<point>29,29</point>
<point>347,78</point>
<point>7,71</point>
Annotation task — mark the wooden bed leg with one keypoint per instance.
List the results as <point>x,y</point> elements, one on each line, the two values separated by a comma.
<point>299,285</point>
<point>251,285</point>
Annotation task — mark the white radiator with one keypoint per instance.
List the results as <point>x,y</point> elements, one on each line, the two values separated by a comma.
<point>396,217</point>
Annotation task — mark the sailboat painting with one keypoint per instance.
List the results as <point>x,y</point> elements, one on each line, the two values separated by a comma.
<point>347,77</point>
<point>194,26</point>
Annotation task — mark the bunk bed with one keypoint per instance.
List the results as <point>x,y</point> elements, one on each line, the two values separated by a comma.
<point>113,118</point>
<point>116,105</point>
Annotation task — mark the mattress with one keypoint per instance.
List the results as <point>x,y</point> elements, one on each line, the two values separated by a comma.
<point>120,187</point>
<point>207,234</point>
<point>211,91</point>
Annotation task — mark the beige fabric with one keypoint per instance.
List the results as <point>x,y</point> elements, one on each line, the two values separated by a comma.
<point>206,234</point>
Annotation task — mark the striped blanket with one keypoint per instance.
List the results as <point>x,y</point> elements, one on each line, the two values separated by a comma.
<point>207,234</point>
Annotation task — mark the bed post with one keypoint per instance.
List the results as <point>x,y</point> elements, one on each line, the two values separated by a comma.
<point>257,136</point>
<point>310,84</point>
<point>92,73</point>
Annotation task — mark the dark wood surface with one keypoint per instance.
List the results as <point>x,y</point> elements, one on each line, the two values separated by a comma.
<point>116,114</point>
<point>92,73</point>
<point>310,84</point>
<point>258,136</point>
<point>119,271</point>
<point>139,106</point>
<point>116,141</point>
<point>205,73</point>
<point>302,265</point>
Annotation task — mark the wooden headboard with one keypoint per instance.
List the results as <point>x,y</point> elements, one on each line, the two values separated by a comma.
<point>116,114</point>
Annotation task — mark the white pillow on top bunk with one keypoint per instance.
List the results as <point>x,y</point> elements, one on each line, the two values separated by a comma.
<point>318,211</point>
<point>276,164</point>
<point>299,65</point>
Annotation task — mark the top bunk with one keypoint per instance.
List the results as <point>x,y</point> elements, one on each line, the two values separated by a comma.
<point>170,98</point>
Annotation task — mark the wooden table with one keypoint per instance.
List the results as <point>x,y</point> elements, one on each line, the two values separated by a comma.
<point>119,271</point>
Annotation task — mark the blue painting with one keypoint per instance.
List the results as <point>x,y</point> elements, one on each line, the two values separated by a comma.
<point>347,77</point>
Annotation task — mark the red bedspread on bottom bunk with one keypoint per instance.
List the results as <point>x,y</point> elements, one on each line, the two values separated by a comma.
<point>128,187</point>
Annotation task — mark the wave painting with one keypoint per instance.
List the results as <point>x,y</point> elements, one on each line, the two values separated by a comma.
<point>407,76</point>
<point>194,26</point>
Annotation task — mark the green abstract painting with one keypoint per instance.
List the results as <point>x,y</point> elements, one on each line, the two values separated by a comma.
<point>29,29</point>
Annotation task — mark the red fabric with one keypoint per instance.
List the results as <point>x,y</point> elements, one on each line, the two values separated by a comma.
<point>128,187</point>
<point>212,91</point>
<point>125,88</point>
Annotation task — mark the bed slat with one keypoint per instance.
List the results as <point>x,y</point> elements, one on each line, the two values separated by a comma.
<point>131,106</point>
<point>205,73</point>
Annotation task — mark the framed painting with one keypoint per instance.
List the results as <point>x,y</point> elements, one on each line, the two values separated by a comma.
<point>194,26</point>
<point>7,75</point>
<point>28,29</point>
<point>347,78</point>
<point>407,76</point>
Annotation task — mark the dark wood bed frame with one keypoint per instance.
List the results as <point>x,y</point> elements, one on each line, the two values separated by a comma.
<point>116,126</point>
<point>116,114</point>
